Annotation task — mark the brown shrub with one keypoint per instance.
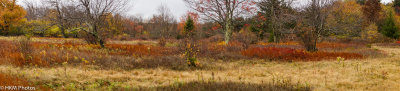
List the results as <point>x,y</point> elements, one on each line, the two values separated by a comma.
<point>172,62</point>
<point>143,50</point>
<point>273,53</point>
<point>162,42</point>
<point>230,86</point>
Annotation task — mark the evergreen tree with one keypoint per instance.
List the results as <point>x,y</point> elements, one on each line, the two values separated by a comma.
<point>361,2</point>
<point>389,27</point>
<point>188,29</point>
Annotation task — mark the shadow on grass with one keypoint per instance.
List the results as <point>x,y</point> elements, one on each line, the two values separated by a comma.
<point>228,86</point>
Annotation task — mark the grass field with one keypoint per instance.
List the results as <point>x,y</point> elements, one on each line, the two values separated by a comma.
<point>90,68</point>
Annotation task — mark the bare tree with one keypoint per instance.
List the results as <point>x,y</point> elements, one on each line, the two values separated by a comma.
<point>222,11</point>
<point>66,12</point>
<point>163,22</point>
<point>35,11</point>
<point>313,22</point>
<point>95,14</point>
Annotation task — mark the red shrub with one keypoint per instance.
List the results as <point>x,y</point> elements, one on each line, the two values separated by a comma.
<point>292,54</point>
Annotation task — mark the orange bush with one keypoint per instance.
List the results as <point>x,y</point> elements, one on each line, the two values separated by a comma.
<point>7,80</point>
<point>292,54</point>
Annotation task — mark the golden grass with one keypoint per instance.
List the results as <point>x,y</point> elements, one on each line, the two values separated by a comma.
<point>364,74</point>
<point>355,74</point>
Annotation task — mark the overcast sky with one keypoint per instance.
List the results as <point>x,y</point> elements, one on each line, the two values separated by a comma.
<point>147,8</point>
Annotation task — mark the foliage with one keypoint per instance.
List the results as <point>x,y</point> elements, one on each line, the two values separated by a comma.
<point>8,80</point>
<point>389,27</point>
<point>371,10</point>
<point>361,2</point>
<point>345,19</point>
<point>190,48</point>
<point>278,17</point>
<point>223,13</point>
<point>11,16</point>
<point>258,26</point>
<point>396,5</point>
<point>289,54</point>
<point>371,33</point>
<point>189,27</point>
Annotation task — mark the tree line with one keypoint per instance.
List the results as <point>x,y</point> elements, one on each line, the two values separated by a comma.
<point>98,20</point>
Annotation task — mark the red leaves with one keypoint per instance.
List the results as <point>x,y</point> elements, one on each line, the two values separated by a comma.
<point>296,55</point>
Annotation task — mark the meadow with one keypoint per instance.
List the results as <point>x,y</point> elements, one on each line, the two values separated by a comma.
<point>72,64</point>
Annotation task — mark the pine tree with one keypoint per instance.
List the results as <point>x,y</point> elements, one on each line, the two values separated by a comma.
<point>189,27</point>
<point>361,2</point>
<point>389,27</point>
<point>190,50</point>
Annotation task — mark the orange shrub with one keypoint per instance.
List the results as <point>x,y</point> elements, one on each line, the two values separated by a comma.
<point>7,80</point>
<point>292,54</point>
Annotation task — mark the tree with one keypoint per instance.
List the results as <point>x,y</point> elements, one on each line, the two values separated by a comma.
<point>259,26</point>
<point>188,30</point>
<point>190,51</point>
<point>396,5</point>
<point>65,13</point>
<point>183,20</point>
<point>278,14</point>
<point>11,16</point>
<point>389,27</point>
<point>346,19</point>
<point>361,2</point>
<point>312,23</point>
<point>371,10</point>
<point>95,15</point>
<point>222,11</point>
<point>163,23</point>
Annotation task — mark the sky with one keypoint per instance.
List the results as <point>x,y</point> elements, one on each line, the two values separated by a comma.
<point>147,8</point>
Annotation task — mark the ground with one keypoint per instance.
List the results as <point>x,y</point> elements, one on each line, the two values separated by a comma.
<point>382,73</point>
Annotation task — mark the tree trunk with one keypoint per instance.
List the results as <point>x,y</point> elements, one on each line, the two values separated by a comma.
<point>312,46</point>
<point>102,43</point>
<point>228,30</point>
<point>63,32</point>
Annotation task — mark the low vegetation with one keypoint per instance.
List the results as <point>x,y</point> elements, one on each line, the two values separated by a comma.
<point>234,45</point>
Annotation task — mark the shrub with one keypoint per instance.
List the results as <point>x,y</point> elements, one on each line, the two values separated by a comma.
<point>389,27</point>
<point>288,54</point>
<point>162,42</point>
<point>25,50</point>
<point>142,50</point>
<point>7,80</point>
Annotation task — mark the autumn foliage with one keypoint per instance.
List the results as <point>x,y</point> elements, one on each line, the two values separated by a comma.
<point>11,15</point>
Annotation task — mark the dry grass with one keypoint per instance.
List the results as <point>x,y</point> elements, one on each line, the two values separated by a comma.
<point>366,74</point>
<point>164,73</point>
